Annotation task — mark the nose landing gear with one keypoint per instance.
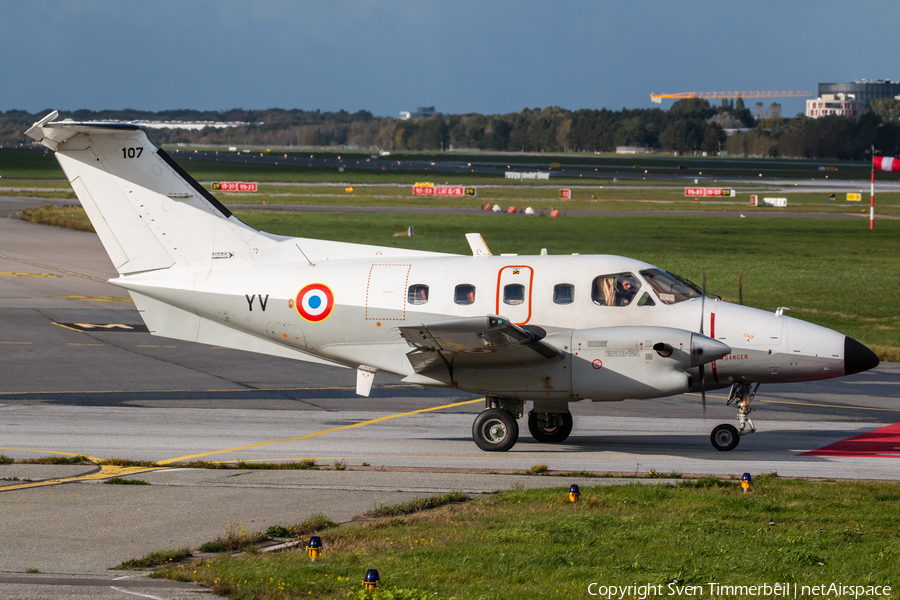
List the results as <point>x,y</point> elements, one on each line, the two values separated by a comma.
<point>725,437</point>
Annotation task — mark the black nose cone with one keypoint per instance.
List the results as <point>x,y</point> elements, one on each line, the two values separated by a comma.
<point>857,358</point>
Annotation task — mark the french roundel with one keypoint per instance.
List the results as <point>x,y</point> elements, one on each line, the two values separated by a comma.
<point>315,301</point>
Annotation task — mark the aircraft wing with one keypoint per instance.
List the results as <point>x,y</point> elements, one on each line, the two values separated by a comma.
<point>477,343</point>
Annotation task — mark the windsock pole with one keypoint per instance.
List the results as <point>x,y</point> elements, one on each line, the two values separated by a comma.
<point>880,163</point>
<point>872,195</point>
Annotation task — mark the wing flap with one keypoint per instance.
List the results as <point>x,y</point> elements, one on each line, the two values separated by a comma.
<point>485,342</point>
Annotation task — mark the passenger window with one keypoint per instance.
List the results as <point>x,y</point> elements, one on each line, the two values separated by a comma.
<point>646,300</point>
<point>615,290</point>
<point>563,293</point>
<point>464,294</point>
<point>418,294</point>
<point>514,293</point>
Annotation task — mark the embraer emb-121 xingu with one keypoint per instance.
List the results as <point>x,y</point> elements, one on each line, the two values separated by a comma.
<point>545,329</point>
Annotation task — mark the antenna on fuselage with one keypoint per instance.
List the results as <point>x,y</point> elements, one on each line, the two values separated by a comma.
<point>311,263</point>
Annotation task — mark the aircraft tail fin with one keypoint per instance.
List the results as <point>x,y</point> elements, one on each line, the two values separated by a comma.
<point>149,213</point>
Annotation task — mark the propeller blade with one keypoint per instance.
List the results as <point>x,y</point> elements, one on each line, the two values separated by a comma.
<point>702,317</point>
<point>703,301</point>
<point>703,388</point>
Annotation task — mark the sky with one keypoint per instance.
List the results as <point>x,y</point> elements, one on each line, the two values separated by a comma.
<point>485,56</point>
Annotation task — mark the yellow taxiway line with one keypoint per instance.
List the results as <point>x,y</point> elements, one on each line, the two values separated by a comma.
<point>57,269</point>
<point>108,471</point>
<point>222,390</point>
<point>105,472</point>
<point>316,433</point>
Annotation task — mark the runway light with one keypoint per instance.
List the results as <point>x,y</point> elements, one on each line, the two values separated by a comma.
<point>574,493</point>
<point>745,481</point>
<point>372,580</point>
<point>314,548</point>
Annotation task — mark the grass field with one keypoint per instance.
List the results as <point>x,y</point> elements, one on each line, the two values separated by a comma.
<point>597,197</point>
<point>35,164</point>
<point>33,173</point>
<point>536,544</point>
<point>659,163</point>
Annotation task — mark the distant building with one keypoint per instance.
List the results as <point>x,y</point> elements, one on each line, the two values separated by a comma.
<point>421,111</point>
<point>634,150</point>
<point>850,99</point>
<point>839,105</point>
<point>864,89</point>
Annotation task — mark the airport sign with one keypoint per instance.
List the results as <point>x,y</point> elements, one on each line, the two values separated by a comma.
<point>235,186</point>
<point>709,192</point>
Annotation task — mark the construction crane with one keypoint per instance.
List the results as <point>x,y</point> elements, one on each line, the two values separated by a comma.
<point>658,98</point>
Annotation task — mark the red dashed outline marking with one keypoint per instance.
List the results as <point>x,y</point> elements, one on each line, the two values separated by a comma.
<point>405,287</point>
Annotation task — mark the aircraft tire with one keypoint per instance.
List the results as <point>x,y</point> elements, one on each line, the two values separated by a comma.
<point>553,435</point>
<point>725,437</point>
<point>495,430</point>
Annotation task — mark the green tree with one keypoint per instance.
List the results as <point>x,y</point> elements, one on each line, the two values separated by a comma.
<point>886,108</point>
<point>692,108</point>
<point>499,137</point>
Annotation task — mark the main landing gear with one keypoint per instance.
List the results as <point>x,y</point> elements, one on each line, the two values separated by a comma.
<point>550,428</point>
<point>495,429</point>
<point>725,437</point>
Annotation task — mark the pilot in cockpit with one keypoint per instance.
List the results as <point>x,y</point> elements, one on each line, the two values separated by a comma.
<point>626,288</point>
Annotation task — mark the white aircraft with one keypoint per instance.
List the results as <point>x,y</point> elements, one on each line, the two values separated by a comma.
<point>545,329</point>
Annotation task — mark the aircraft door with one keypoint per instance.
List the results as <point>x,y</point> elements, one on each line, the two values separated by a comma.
<point>514,293</point>
<point>386,292</point>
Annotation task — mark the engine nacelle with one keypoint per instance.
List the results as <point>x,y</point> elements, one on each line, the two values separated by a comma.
<point>602,364</point>
<point>617,363</point>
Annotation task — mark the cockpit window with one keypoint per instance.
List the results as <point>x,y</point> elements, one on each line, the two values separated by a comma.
<point>670,288</point>
<point>615,290</point>
<point>646,300</point>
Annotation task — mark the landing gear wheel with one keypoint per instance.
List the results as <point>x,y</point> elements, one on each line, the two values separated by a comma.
<point>725,437</point>
<point>550,435</point>
<point>495,430</point>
